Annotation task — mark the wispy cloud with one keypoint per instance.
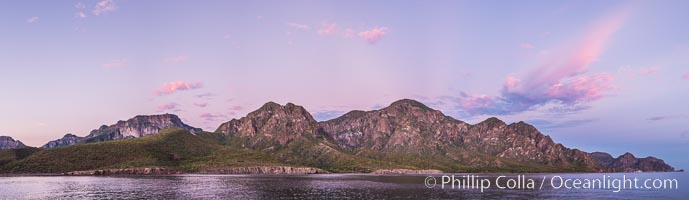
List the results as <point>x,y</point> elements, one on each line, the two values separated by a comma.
<point>104,6</point>
<point>372,36</point>
<point>168,107</point>
<point>667,117</point>
<point>204,95</point>
<point>560,82</point>
<point>172,87</point>
<point>527,45</point>
<point>236,108</point>
<point>298,26</point>
<point>176,59</point>
<point>202,105</point>
<point>116,63</point>
<point>685,76</point>
<point>80,15</point>
<point>32,19</point>
<point>212,117</point>
<point>649,71</point>
<point>328,29</point>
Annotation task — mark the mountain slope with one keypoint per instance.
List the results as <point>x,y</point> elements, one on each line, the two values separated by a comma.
<point>139,126</point>
<point>7,142</point>
<point>172,148</point>
<point>629,163</point>
<point>410,129</point>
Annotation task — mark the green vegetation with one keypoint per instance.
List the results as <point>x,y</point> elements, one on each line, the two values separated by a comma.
<point>178,149</point>
<point>173,148</point>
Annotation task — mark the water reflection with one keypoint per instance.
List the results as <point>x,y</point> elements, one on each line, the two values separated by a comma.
<point>353,186</point>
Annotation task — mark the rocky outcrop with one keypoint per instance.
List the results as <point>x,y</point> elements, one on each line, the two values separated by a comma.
<point>407,171</point>
<point>7,142</point>
<point>629,163</point>
<point>139,126</point>
<point>67,140</point>
<point>265,170</point>
<point>127,171</point>
<point>603,160</point>
<point>411,128</point>
<point>271,126</point>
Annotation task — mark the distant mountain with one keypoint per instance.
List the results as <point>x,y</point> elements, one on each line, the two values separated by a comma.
<point>407,135</point>
<point>6,142</point>
<point>629,163</point>
<point>138,126</point>
<point>67,140</point>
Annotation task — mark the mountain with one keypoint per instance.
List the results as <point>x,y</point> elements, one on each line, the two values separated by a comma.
<point>406,136</point>
<point>139,126</point>
<point>7,142</point>
<point>408,129</point>
<point>67,140</point>
<point>272,126</point>
<point>172,148</point>
<point>290,134</point>
<point>629,163</point>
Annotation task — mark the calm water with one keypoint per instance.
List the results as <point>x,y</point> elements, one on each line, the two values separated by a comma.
<point>349,186</point>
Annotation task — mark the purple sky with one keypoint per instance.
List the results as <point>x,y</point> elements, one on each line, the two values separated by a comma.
<point>595,75</point>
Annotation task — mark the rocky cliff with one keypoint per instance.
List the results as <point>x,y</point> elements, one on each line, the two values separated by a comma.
<point>270,127</point>
<point>411,128</point>
<point>139,126</point>
<point>67,140</point>
<point>629,163</point>
<point>7,142</point>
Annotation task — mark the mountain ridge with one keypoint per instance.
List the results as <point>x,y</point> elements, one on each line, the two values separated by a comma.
<point>404,135</point>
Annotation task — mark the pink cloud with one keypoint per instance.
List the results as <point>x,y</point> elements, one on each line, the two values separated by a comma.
<point>581,89</point>
<point>236,108</point>
<point>298,26</point>
<point>328,29</point>
<point>212,117</point>
<point>32,19</point>
<point>204,95</point>
<point>177,59</point>
<point>116,63</point>
<point>527,46</point>
<point>686,76</point>
<point>80,15</point>
<point>372,36</point>
<point>560,81</point>
<point>202,105</point>
<point>172,87</point>
<point>104,6</point>
<point>167,107</point>
<point>649,71</point>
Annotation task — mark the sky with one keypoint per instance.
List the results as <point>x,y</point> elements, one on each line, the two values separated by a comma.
<point>594,75</point>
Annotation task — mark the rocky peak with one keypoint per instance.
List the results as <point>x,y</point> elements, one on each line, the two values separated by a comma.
<point>408,103</point>
<point>627,162</point>
<point>7,142</point>
<point>67,140</point>
<point>406,125</point>
<point>272,124</point>
<point>494,121</point>
<point>138,126</point>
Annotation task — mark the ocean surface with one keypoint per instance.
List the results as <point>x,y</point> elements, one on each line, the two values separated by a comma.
<point>347,186</point>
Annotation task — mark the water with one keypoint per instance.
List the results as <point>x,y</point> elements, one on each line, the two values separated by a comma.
<point>348,186</point>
